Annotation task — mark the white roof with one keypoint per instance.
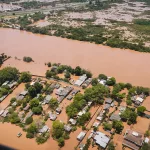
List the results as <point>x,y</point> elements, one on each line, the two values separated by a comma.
<point>101,139</point>
<point>140,99</point>
<point>78,82</point>
<point>146,140</point>
<point>81,113</point>
<point>103,82</point>
<point>81,135</point>
<point>44,129</point>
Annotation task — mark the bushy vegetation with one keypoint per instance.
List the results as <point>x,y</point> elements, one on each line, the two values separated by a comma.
<point>8,74</point>
<point>25,77</point>
<point>27,59</point>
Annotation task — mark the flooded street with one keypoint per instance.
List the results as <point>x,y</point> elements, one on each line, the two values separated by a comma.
<point>124,65</point>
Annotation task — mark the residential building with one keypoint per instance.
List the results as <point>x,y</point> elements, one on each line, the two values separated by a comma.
<point>81,136</point>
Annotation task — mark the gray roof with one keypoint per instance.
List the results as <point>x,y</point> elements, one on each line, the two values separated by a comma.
<point>81,136</point>
<point>58,109</point>
<point>52,116</point>
<point>72,121</point>
<point>27,107</point>
<point>115,117</point>
<point>14,104</point>
<point>60,99</point>
<point>74,92</point>
<point>47,99</point>
<point>69,97</point>
<point>5,83</point>
<point>5,113</point>
<point>24,93</point>
<point>20,97</point>
<point>44,129</point>
<point>109,101</point>
<point>107,106</point>
<point>2,98</point>
<point>67,128</point>
<point>81,80</point>
<point>101,139</point>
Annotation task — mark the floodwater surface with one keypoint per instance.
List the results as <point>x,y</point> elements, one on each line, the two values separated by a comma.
<point>124,65</point>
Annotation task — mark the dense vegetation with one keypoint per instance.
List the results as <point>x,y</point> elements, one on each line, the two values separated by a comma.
<point>27,59</point>
<point>8,74</point>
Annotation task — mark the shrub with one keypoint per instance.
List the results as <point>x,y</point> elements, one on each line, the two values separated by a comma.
<point>29,120</point>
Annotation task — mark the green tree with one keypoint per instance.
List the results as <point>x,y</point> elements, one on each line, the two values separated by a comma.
<point>141,110</point>
<point>102,77</point>
<point>96,94</point>
<point>118,126</point>
<point>29,120</point>
<point>146,146</point>
<point>61,142</point>
<point>67,75</point>
<point>77,71</point>
<point>29,135</point>
<point>94,81</point>
<point>14,118</point>
<point>49,64</point>
<point>37,110</point>
<point>8,74</point>
<point>25,77</point>
<point>38,87</point>
<point>84,118</point>
<point>132,117</point>
<point>53,104</point>
<point>111,146</point>
<point>107,126</point>
<point>32,91</point>
<point>34,102</point>
<point>111,81</point>
<point>32,128</point>
<point>57,129</point>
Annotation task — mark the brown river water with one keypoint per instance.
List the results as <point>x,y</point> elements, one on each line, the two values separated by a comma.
<point>124,65</point>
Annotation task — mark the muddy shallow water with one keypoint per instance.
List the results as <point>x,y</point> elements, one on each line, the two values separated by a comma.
<point>125,65</point>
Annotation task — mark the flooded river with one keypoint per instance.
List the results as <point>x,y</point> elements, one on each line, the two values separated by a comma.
<point>124,65</point>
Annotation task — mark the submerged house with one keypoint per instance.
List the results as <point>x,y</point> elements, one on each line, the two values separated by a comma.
<point>44,129</point>
<point>81,136</point>
<point>115,117</point>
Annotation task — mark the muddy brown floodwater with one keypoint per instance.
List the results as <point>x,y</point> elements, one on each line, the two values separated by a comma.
<point>124,65</point>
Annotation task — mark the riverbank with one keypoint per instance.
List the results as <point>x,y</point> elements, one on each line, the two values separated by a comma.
<point>124,65</point>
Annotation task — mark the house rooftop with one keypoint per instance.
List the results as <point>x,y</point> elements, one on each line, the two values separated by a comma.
<point>67,128</point>
<point>24,93</point>
<point>44,129</point>
<point>108,101</point>
<point>101,139</point>
<point>81,136</point>
<point>52,116</point>
<point>47,99</point>
<point>115,117</point>
<point>72,121</point>
<point>107,106</point>
<point>133,139</point>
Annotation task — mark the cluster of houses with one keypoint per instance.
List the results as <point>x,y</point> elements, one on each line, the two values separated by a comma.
<point>138,100</point>
<point>83,81</point>
<point>11,85</point>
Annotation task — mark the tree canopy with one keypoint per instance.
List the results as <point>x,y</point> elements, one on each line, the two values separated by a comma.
<point>25,77</point>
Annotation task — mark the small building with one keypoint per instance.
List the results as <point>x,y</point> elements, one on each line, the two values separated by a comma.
<point>26,108</point>
<point>44,129</point>
<point>96,124</point>
<point>47,99</point>
<point>81,80</point>
<point>52,116</point>
<point>60,99</point>
<point>14,103</point>
<point>58,110</point>
<point>69,97</point>
<point>81,113</point>
<point>133,140</point>
<point>24,93</point>
<point>57,86</point>
<point>81,136</point>
<point>115,117</point>
<point>100,117</point>
<point>1,112</point>
<point>107,106</point>
<point>12,84</point>
<point>20,97</point>
<point>108,101</point>
<point>72,121</point>
<point>90,103</point>
<point>101,139</point>
<point>74,92</point>
<point>103,82</point>
<point>5,83</point>
<point>140,99</point>
<point>67,127</point>
<point>122,109</point>
<point>2,98</point>
<point>5,113</point>
<point>146,140</point>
